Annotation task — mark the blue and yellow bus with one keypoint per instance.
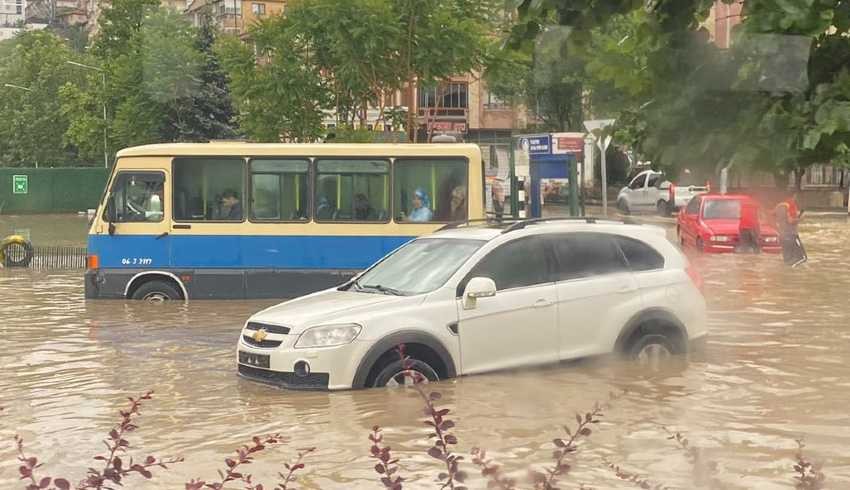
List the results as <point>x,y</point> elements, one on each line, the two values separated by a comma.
<point>241,220</point>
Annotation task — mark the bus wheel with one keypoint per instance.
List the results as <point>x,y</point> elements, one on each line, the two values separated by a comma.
<point>156,292</point>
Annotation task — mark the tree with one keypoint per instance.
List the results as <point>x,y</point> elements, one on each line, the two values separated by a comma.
<point>164,82</point>
<point>355,44</point>
<point>776,101</point>
<point>278,93</point>
<point>207,113</point>
<point>32,126</point>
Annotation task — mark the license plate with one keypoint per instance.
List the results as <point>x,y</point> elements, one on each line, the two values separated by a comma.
<point>256,360</point>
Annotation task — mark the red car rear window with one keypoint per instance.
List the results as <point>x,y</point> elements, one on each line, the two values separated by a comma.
<point>722,209</point>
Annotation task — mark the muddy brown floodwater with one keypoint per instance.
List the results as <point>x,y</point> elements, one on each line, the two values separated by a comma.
<point>775,369</point>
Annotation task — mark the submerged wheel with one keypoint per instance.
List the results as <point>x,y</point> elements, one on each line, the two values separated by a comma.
<point>652,350</point>
<point>397,374</point>
<point>663,208</point>
<point>623,206</point>
<point>156,292</point>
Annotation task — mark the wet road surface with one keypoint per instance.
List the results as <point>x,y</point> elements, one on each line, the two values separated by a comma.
<point>775,369</point>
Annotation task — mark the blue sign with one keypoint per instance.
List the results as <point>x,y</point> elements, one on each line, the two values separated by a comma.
<point>537,145</point>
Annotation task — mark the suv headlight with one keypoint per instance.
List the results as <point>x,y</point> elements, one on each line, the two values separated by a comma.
<point>328,335</point>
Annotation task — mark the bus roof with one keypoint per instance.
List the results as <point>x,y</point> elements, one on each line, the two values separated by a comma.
<point>236,148</point>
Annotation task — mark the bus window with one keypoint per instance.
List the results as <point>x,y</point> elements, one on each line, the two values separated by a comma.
<point>137,196</point>
<point>208,189</point>
<point>279,190</point>
<point>352,190</point>
<point>430,190</point>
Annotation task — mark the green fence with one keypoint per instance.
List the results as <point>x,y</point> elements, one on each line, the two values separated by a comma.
<point>50,190</point>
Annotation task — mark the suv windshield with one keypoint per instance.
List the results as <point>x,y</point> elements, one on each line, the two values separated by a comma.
<point>725,209</point>
<point>419,267</point>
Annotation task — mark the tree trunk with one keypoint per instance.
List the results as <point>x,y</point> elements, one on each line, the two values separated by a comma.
<point>412,130</point>
<point>798,177</point>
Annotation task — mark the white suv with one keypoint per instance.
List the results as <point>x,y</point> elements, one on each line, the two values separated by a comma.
<point>480,298</point>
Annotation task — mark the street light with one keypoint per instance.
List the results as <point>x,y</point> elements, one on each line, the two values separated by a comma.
<point>598,129</point>
<point>9,85</point>
<point>105,125</point>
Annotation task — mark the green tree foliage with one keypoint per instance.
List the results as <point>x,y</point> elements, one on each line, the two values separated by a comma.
<point>32,125</point>
<point>776,101</point>
<point>164,82</point>
<point>278,94</point>
<point>367,48</point>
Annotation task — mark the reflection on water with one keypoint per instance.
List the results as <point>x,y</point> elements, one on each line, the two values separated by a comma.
<point>774,369</point>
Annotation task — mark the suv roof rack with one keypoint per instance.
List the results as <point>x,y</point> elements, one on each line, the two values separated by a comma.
<point>490,220</point>
<point>519,225</point>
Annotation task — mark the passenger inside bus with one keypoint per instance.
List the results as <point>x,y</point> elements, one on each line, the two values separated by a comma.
<point>231,206</point>
<point>458,204</point>
<point>421,212</point>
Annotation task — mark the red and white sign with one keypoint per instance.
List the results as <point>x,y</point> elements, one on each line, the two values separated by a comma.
<point>568,143</point>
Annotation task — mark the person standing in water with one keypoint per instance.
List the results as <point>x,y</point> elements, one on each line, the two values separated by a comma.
<point>787,215</point>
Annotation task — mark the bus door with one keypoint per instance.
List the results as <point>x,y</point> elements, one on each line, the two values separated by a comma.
<point>134,230</point>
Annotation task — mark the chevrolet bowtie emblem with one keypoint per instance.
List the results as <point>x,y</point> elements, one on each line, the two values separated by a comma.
<point>260,335</point>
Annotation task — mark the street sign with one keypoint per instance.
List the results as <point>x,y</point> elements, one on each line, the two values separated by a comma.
<point>536,144</point>
<point>20,184</point>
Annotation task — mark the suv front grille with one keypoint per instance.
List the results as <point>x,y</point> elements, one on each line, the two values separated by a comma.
<point>268,328</point>
<point>267,344</point>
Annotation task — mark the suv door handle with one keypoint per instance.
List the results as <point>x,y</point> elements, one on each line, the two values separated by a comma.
<point>542,303</point>
<point>626,289</point>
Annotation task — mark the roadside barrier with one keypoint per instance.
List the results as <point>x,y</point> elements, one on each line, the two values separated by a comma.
<point>16,251</point>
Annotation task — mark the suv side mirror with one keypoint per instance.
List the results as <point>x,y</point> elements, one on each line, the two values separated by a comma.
<point>477,287</point>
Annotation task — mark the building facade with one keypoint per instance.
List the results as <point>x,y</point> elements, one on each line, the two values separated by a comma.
<point>233,16</point>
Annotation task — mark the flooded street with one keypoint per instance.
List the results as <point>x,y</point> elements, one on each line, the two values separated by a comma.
<point>775,369</point>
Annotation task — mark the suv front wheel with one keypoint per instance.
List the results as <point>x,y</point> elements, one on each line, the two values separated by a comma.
<point>652,350</point>
<point>397,373</point>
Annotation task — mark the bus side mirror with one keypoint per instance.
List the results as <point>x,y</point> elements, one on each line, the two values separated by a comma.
<point>110,214</point>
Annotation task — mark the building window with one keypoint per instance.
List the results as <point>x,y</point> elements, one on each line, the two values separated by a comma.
<point>495,102</point>
<point>258,9</point>
<point>233,7</point>
<point>450,95</point>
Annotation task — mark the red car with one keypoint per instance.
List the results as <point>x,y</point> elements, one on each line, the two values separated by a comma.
<point>712,222</point>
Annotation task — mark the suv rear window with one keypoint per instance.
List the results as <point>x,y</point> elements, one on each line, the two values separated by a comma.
<point>640,256</point>
<point>586,254</point>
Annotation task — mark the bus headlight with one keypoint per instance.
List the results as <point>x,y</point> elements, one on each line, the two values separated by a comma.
<point>328,335</point>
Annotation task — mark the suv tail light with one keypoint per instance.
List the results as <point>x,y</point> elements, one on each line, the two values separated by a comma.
<point>695,276</point>
<point>708,185</point>
<point>672,197</point>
